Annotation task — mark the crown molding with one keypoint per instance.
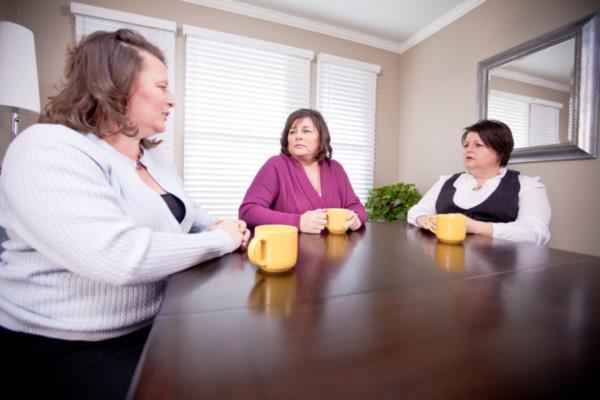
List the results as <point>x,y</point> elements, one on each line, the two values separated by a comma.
<point>439,24</point>
<point>530,79</point>
<point>335,31</point>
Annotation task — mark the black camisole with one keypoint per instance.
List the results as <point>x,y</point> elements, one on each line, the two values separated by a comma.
<point>175,205</point>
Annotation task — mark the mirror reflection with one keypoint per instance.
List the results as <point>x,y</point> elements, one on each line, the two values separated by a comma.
<point>533,96</point>
<point>548,91</point>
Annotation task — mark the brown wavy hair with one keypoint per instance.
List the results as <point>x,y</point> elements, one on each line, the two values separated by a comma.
<point>325,150</point>
<point>99,74</point>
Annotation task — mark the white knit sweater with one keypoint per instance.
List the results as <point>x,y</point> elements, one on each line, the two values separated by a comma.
<point>89,243</point>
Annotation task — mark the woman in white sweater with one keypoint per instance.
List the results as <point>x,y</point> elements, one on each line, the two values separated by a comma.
<point>96,221</point>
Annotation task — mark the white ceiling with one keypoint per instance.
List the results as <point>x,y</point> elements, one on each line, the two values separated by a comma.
<point>393,25</point>
<point>554,63</point>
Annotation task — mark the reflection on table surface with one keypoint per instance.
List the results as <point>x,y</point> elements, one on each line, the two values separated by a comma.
<point>384,311</point>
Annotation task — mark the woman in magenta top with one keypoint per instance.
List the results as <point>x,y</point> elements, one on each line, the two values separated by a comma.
<point>295,187</point>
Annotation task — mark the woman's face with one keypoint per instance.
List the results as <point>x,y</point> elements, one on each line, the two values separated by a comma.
<point>476,155</point>
<point>303,140</point>
<point>150,98</point>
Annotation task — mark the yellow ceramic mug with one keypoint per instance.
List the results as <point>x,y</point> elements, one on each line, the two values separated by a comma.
<point>449,228</point>
<point>337,246</point>
<point>337,220</point>
<point>450,257</point>
<point>274,248</point>
<point>273,293</point>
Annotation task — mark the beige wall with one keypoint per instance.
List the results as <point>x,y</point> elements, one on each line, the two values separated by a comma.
<point>437,99</point>
<point>52,25</point>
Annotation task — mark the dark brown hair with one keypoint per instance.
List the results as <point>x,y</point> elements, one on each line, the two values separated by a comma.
<point>325,149</point>
<point>494,134</point>
<point>99,74</point>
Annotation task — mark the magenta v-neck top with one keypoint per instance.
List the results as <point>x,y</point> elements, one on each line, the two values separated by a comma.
<point>281,192</point>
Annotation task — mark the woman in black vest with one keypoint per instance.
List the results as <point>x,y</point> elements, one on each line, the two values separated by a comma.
<point>497,201</point>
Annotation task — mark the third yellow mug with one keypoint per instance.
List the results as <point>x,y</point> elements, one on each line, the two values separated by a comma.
<point>450,257</point>
<point>449,228</point>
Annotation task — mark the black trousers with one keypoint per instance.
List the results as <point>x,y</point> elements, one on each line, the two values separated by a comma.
<point>41,366</point>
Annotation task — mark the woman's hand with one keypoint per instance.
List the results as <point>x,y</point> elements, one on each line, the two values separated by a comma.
<point>353,221</point>
<point>473,226</point>
<point>422,220</point>
<point>245,233</point>
<point>313,221</point>
<point>236,229</point>
<point>479,227</point>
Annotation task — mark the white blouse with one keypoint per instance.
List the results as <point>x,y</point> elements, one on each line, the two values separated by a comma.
<point>532,223</point>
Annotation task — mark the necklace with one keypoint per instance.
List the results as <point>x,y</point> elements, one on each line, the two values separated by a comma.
<point>479,186</point>
<point>138,163</point>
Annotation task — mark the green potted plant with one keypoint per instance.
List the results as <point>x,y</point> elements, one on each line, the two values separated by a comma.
<point>391,202</point>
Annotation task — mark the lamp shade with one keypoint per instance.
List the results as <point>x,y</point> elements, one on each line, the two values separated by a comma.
<point>18,68</point>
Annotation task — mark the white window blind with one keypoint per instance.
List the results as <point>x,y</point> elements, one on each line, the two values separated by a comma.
<point>159,32</point>
<point>533,122</point>
<point>238,93</point>
<point>513,113</point>
<point>347,98</point>
<point>570,132</point>
<point>543,122</point>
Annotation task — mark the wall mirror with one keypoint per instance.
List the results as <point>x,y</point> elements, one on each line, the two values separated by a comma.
<point>546,90</point>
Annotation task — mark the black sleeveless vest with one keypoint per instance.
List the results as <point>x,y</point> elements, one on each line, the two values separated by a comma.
<point>501,206</point>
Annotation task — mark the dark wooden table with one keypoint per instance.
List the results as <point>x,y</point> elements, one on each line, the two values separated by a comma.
<point>386,312</point>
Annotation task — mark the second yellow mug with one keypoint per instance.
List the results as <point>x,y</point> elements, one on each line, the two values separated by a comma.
<point>337,246</point>
<point>274,248</point>
<point>337,220</point>
<point>449,228</point>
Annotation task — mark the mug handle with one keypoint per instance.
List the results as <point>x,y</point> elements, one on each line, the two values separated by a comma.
<point>428,223</point>
<point>255,250</point>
